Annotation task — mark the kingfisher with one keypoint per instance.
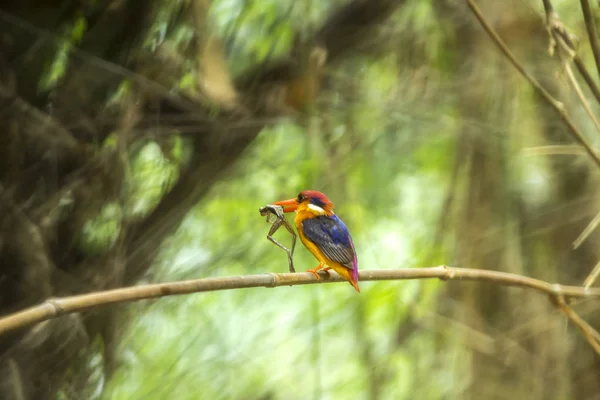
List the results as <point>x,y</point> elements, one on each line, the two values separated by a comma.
<point>324,234</point>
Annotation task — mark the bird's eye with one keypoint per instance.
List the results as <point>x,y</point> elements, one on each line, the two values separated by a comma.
<point>300,198</point>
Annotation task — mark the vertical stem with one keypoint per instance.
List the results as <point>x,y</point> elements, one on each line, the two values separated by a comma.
<point>591,30</point>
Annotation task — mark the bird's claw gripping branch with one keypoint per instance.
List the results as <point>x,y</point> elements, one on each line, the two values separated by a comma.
<point>270,211</point>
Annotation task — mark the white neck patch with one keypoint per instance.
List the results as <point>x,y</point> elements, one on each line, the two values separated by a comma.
<point>316,209</point>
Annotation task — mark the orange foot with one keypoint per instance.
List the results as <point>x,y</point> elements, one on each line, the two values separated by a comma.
<point>315,269</point>
<point>326,270</point>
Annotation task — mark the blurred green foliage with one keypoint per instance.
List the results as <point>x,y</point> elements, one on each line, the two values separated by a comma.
<point>280,342</point>
<point>379,167</point>
<point>382,151</point>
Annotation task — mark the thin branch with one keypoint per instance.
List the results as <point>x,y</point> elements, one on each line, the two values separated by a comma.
<point>56,307</point>
<point>589,333</point>
<point>589,281</point>
<point>586,76</point>
<point>557,29</point>
<point>587,231</point>
<point>581,96</point>
<point>554,150</point>
<point>591,30</point>
<point>568,53</point>
<point>562,38</point>
<point>558,106</point>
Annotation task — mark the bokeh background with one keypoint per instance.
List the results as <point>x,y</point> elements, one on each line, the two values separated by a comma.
<point>139,139</point>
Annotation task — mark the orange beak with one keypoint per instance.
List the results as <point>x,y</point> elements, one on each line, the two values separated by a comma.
<point>288,205</point>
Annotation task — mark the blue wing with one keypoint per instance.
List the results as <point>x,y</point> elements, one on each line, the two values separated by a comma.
<point>332,237</point>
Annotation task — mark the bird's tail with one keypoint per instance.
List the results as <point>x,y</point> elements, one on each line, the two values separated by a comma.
<point>354,277</point>
<point>350,275</point>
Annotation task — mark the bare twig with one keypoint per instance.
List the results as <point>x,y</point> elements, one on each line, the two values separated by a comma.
<point>587,77</point>
<point>557,105</point>
<point>591,278</point>
<point>591,30</point>
<point>580,94</point>
<point>56,307</point>
<point>553,150</point>
<point>587,231</point>
<point>557,29</point>
<point>567,53</point>
<point>589,333</point>
<point>561,37</point>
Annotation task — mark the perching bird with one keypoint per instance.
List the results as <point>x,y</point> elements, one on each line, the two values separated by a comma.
<point>324,234</point>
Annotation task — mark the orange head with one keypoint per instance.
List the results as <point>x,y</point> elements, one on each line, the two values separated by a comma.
<point>308,199</point>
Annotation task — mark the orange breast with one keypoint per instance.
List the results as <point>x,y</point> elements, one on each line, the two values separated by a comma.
<point>302,214</point>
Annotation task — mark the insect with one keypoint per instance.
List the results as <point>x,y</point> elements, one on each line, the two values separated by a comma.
<point>275,211</point>
<point>324,234</point>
